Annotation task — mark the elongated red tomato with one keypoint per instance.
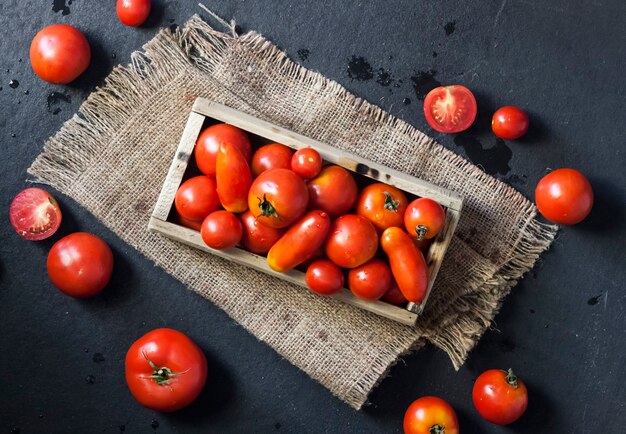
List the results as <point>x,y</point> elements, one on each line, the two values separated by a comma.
<point>334,190</point>
<point>353,241</point>
<point>300,242</point>
<point>424,218</point>
<point>208,145</point>
<point>196,198</point>
<point>450,109</point>
<point>233,177</point>
<point>257,237</point>
<point>371,280</point>
<point>407,264</point>
<point>35,214</point>
<point>430,415</point>
<point>272,156</point>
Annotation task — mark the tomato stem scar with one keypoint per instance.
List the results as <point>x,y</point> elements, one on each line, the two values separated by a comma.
<point>420,231</point>
<point>437,429</point>
<point>390,204</point>
<point>511,378</point>
<point>161,375</point>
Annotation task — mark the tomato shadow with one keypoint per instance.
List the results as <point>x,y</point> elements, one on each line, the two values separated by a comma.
<point>467,423</point>
<point>540,415</point>
<point>608,207</point>
<point>157,11</point>
<point>486,106</point>
<point>100,66</point>
<point>537,131</point>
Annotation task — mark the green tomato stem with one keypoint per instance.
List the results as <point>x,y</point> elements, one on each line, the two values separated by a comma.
<point>511,378</point>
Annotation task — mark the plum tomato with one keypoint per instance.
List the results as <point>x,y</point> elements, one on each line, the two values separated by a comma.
<point>564,196</point>
<point>324,277</point>
<point>383,205</point>
<point>334,190</point>
<point>257,237</point>
<point>233,178</point>
<point>424,218</point>
<point>509,123</point>
<point>499,396</point>
<point>371,280</point>
<point>408,265</point>
<point>430,415</point>
<point>196,198</point>
<point>34,214</point>
<point>450,109</point>
<point>133,13</point>
<point>352,241</point>
<point>221,230</point>
<point>307,163</point>
<point>209,141</point>
<point>272,156</point>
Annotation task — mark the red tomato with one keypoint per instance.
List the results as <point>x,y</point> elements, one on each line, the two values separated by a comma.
<point>383,205</point>
<point>430,415</point>
<point>133,12</point>
<point>450,109</point>
<point>209,141</point>
<point>165,370</point>
<point>564,196</point>
<point>500,397</point>
<point>257,237</point>
<point>352,241</point>
<point>278,197</point>
<point>221,230</point>
<point>59,54</point>
<point>334,190</point>
<point>34,214</point>
<point>424,218</point>
<point>191,224</point>
<point>307,163</point>
<point>80,264</point>
<point>233,178</point>
<point>509,123</point>
<point>394,295</point>
<point>371,280</point>
<point>196,198</point>
<point>407,263</point>
<point>300,242</point>
<point>272,156</point>
<point>324,278</point>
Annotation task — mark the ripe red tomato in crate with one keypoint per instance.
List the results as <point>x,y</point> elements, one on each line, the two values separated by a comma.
<point>371,280</point>
<point>408,265</point>
<point>257,237</point>
<point>324,277</point>
<point>272,156</point>
<point>334,190</point>
<point>307,163</point>
<point>221,230</point>
<point>209,141</point>
<point>424,218</point>
<point>352,241</point>
<point>196,198</point>
<point>233,177</point>
<point>383,205</point>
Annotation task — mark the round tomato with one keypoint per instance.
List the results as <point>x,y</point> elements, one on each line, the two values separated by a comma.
<point>424,218</point>
<point>59,54</point>
<point>196,225</point>
<point>500,397</point>
<point>324,278</point>
<point>394,295</point>
<point>209,141</point>
<point>272,156</point>
<point>383,205</point>
<point>334,190</point>
<point>165,370</point>
<point>278,197</point>
<point>34,214</point>
<point>450,109</point>
<point>196,198</point>
<point>80,264</point>
<point>564,196</point>
<point>257,237</point>
<point>221,230</point>
<point>371,280</point>
<point>133,12</point>
<point>430,415</point>
<point>233,178</point>
<point>352,241</point>
<point>307,163</point>
<point>408,265</point>
<point>509,123</point>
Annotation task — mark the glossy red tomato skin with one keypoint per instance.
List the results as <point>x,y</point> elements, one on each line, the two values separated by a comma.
<point>498,401</point>
<point>59,54</point>
<point>428,412</point>
<point>272,156</point>
<point>191,224</point>
<point>383,205</point>
<point>80,265</point>
<point>233,178</point>
<point>510,123</point>
<point>352,241</point>
<point>257,237</point>
<point>371,280</point>
<point>408,265</point>
<point>324,277</point>
<point>133,13</point>
<point>175,351</point>
<point>334,190</point>
<point>394,295</point>
<point>209,141</point>
<point>221,230</point>
<point>450,109</point>
<point>307,163</point>
<point>564,196</point>
<point>196,198</point>
<point>424,218</point>
<point>35,214</point>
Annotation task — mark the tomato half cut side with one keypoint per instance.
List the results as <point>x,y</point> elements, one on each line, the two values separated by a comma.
<point>450,109</point>
<point>35,214</point>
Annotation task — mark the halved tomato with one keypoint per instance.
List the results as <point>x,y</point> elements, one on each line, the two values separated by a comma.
<point>34,214</point>
<point>450,109</point>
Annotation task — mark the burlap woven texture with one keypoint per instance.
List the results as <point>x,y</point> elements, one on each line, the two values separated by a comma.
<point>102,159</point>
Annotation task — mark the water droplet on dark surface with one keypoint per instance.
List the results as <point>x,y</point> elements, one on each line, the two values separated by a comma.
<point>0,87</point>
<point>60,6</point>
<point>277,425</point>
<point>98,358</point>
<point>450,28</point>
<point>41,416</point>
<point>56,111</point>
<point>19,60</point>
<point>13,84</point>
<point>434,54</point>
<point>90,379</point>
<point>8,70</point>
<point>113,56</point>
<point>12,134</point>
<point>86,350</point>
<point>360,69</point>
<point>384,78</point>
<point>54,99</point>
<point>406,101</point>
<point>26,92</point>
<point>493,160</point>
<point>122,428</point>
<point>424,82</point>
<point>303,54</point>
<point>594,300</point>
<point>154,424</point>
<point>15,431</point>
<point>532,311</point>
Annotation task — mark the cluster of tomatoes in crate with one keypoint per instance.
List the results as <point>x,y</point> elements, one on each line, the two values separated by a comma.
<point>299,213</point>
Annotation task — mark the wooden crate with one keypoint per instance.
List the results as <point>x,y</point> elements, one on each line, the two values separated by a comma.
<point>204,112</point>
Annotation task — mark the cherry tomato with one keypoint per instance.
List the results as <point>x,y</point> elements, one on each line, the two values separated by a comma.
<point>324,278</point>
<point>408,265</point>
<point>424,218</point>
<point>394,295</point>
<point>307,163</point>
<point>196,198</point>
<point>233,178</point>
<point>80,264</point>
<point>334,190</point>
<point>278,197</point>
<point>221,230</point>
<point>300,242</point>
<point>272,156</point>
<point>257,237</point>
<point>430,415</point>
<point>499,396</point>
<point>450,109</point>
<point>564,196</point>
<point>509,123</point>
<point>165,370</point>
<point>371,280</point>
<point>209,141</point>
<point>383,205</point>
<point>34,214</point>
<point>133,12</point>
<point>59,54</point>
<point>352,241</point>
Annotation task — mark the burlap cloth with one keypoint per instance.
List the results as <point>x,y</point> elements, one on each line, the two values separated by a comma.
<point>112,158</point>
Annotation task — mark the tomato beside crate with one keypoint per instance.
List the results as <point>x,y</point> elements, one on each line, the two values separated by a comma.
<point>204,113</point>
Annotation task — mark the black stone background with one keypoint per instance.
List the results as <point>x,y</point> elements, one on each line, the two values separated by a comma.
<point>562,328</point>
